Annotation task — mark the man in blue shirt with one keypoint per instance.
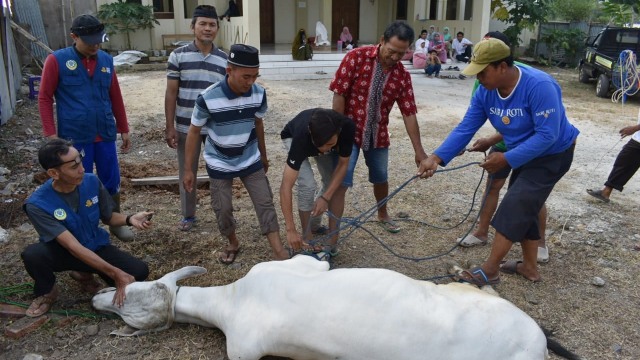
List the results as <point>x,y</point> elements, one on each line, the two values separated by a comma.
<point>65,212</point>
<point>525,106</point>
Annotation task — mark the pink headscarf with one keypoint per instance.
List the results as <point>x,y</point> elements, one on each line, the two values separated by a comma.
<point>345,36</point>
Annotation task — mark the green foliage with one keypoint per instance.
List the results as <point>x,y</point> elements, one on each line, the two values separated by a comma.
<point>124,17</point>
<point>573,10</point>
<point>519,15</point>
<point>567,40</point>
<point>617,13</point>
<point>633,4</point>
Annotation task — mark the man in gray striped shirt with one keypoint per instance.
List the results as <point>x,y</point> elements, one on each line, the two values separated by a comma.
<point>191,69</point>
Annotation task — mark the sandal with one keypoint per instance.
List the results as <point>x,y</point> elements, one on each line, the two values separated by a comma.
<point>227,256</point>
<point>511,267</point>
<point>187,223</point>
<point>389,225</point>
<point>598,195</point>
<point>42,304</point>
<point>477,276</point>
<point>470,240</point>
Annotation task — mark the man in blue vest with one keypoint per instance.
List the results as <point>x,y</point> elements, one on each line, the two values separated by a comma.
<point>89,106</point>
<point>65,212</point>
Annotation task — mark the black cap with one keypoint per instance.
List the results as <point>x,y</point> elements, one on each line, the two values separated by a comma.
<point>498,35</point>
<point>244,56</point>
<point>206,11</point>
<point>89,29</point>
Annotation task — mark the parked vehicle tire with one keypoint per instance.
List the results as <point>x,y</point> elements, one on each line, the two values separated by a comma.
<point>602,87</point>
<point>583,76</point>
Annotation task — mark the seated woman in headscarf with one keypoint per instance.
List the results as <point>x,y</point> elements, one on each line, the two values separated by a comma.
<point>301,49</point>
<point>439,46</point>
<point>322,37</point>
<point>448,39</point>
<point>420,56</point>
<point>347,39</point>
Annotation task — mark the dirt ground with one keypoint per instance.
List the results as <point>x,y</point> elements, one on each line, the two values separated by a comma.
<point>587,239</point>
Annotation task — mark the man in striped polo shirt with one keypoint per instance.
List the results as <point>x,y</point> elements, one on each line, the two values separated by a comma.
<point>191,69</point>
<point>231,112</point>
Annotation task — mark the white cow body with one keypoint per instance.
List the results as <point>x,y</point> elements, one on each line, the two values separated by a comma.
<point>299,309</point>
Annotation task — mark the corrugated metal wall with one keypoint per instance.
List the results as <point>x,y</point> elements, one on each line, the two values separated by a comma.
<point>10,78</point>
<point>28,13</point>
<point>587,29</point>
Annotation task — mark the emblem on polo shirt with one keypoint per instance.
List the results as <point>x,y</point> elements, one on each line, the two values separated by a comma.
<point>71,65</point>
<point>59,214</point>
<point>506,120</point>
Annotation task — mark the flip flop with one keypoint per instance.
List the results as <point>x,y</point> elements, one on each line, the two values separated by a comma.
<point>477,276</point>
<point>598,195</point>
<point>511,267</point>
<point>187,223</point>
<point>543,255</point>
<point>389,225</point>
<point>227,256</point>
<point>42,304</point>
<point>470,240</point>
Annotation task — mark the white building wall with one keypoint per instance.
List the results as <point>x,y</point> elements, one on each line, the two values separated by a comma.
<point>368,29</point>
<point>285,22</point>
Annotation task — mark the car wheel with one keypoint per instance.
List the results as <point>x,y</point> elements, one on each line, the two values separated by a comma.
<point>602,87</point>
<point>583,76</point>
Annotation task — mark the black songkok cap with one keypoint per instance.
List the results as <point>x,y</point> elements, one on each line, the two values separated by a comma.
<point>244,56</point>
<point>206,11</point>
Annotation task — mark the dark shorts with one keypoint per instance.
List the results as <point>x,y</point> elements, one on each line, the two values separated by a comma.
<point>529,188</point>
<point>502,173</point>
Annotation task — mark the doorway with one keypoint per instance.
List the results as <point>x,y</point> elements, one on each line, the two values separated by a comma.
<point>345,13</point>
<point>267,25</point>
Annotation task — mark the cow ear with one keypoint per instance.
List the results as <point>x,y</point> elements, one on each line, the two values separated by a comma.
<point>185,272</point>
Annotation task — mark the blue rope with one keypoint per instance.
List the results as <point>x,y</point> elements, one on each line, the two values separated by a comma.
<point>352,224</point>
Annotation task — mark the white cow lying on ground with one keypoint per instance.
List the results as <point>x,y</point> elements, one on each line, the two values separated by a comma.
<point>298,309</point>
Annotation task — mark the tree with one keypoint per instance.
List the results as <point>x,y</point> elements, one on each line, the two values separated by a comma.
<point>620,12</point>
<point>573,10</point>
<point>519,15</point>
<point>563,41</point>
<point>125,17</point>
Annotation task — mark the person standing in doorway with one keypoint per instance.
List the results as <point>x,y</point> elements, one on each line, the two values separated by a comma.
<point>191,69</point>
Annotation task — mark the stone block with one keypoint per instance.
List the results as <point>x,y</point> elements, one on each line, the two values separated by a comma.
<point>11,311</point>
<point>22,327</point>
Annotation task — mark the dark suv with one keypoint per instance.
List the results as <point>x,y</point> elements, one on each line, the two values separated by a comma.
<point>600,60</point>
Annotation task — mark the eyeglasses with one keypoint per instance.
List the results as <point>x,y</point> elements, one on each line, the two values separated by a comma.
<point>76,161</point>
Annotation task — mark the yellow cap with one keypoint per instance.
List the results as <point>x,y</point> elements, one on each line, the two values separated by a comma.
<point>484,53</point>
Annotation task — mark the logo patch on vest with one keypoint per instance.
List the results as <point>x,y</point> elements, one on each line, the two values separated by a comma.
<point>91,202</point>
<point>106,70</point>
<point>59,214</point>
<point>71,65</point>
